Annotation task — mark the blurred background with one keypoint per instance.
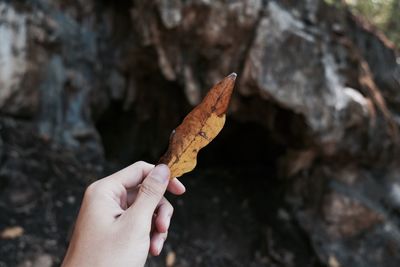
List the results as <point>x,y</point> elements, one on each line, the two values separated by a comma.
<point>305,172</point>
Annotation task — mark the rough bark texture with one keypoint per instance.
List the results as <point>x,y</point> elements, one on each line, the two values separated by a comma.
<point>314,117</point>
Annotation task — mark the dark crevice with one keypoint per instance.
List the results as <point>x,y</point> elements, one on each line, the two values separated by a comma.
<point>241,144</point>
<point>142,131</point>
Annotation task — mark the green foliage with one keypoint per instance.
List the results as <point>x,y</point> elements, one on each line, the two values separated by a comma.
<point>384,14</point>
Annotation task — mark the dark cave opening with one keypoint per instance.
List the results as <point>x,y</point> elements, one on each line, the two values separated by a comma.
<point>243,145</point>
<point>240,144</point>
<point>236,173</point>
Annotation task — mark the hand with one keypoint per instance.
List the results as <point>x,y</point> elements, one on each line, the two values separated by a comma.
<point>123,217</point>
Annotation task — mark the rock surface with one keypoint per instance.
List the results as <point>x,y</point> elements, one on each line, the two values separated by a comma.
<point>316,104</point>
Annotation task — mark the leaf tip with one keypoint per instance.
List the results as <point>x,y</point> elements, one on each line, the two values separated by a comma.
<point>233,75</point>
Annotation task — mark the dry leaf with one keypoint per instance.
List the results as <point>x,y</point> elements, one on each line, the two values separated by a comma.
<point>12,232</point>
<point>333,262</point>
<point>170,259</point>
<point>198,128</point>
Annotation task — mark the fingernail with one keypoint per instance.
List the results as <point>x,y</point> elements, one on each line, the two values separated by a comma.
<point>168,222</point>
<point>160,245</point>
<point>160,173</point>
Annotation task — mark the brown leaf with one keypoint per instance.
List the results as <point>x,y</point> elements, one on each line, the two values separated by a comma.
<point>170,259</point>
<point>12,232</point>
<point>333,262</point>
<point>198,128</point>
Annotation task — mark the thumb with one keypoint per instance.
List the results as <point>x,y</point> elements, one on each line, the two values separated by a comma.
<point>151,191</point>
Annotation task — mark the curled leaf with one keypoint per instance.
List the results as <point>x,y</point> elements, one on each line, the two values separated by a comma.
<point>198,128</point>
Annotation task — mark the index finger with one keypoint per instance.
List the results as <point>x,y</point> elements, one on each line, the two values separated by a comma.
<point>176,187</point>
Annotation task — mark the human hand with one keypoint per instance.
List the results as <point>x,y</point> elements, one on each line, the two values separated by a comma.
<point>123,217</point>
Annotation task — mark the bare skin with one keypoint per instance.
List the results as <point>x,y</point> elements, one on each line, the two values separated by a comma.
<point>123,218</point>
